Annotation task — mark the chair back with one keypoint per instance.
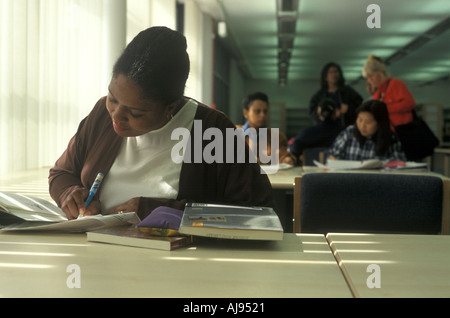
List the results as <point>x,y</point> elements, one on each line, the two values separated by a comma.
<point>317,153</point>
<point>370,203</point>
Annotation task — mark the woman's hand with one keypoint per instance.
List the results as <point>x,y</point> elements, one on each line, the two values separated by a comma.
<point>289,159</point>
<point>74,204</point>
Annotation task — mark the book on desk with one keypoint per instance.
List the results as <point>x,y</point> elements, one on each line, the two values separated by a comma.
<point>168,229</point>
<point>20,212</point>
<point>231,222</point>
<point>135,237</point>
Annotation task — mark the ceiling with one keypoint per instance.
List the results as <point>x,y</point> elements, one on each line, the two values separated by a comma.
<point>336,30</point>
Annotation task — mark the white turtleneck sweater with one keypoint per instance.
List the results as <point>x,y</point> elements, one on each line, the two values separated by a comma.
<point>144,167</point>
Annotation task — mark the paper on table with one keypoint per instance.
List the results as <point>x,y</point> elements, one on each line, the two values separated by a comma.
<point>271,169</point>
<point>87,223</point>
<point>351,164</point>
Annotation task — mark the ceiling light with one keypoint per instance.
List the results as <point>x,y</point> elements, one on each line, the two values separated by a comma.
<point>419,41</point>
<point>284,55</point>
<point>222,29</point>
<point>286,25</point>
<point>285,43</point>
<point>287,5</point>
<point>439,28</point>
<point>287,13</point>
<point>283,64</point>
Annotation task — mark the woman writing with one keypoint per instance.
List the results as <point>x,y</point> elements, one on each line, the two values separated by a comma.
<point>370,138</point>
<point>127,137</point>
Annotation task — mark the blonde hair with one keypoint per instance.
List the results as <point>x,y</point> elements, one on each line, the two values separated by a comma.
<point>373,64</point>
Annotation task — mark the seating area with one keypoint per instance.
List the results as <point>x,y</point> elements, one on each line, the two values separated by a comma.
<point>371,203</point>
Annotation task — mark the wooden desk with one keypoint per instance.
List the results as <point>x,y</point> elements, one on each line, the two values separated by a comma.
<point>35,265</point>
<point>283,184</point>
<point>446,153</point>
<point>309,169</point>
<point>410,265</point>
<point>284,179</point>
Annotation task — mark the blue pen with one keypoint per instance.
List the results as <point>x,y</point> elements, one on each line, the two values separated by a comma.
<point>94,188</point>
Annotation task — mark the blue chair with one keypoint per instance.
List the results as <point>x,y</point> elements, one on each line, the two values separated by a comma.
<point>310,154</point>
<point>371,203</point>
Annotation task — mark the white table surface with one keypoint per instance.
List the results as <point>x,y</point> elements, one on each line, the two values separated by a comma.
<point>35,265</point>
<point>284,179</point>
<point>409,265</point>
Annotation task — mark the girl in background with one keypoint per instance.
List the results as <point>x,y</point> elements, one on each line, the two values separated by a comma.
<point>370,138</point>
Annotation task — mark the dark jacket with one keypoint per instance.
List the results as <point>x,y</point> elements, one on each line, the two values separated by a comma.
<point>346,95</point>
<point>320,135</point>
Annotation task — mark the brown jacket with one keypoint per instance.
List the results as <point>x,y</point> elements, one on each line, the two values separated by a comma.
<point>95,146</point>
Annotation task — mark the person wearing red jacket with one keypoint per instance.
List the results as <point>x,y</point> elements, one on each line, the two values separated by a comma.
<point>394,92</point>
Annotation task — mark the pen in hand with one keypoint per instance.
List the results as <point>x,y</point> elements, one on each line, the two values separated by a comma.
<point>93,190</point>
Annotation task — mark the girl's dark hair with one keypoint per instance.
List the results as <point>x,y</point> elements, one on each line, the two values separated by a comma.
<point>156,60</point>
<point>383,137</point>
<point>248,100</point>
<point>324,73</point>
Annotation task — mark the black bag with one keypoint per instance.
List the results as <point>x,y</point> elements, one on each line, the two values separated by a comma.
<point>418,140</point>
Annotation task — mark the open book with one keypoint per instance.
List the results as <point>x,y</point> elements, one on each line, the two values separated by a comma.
<point>351,164</point>
<point>271,169</point>
<point>23,212</point>
<point>231,222</point>
<point>396,165</point>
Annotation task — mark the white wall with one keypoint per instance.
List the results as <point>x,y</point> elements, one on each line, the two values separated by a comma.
<point>199,34</point>
<point>142,14</point>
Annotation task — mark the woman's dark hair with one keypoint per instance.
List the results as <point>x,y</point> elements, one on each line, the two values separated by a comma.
<point>249,99</point>
<point>156,60</point>
<point>323,76</point>
<point>383,137</point>
<point>327,108</point>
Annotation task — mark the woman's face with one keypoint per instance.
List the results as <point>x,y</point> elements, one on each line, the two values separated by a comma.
<point>375,79</point>
<point>132,114</point>
<point>366,123</point>
<point>333,75</point>
<point>256,114</point>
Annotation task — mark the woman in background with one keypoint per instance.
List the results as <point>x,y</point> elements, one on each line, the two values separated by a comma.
<point>370,138</point>
<point>393,92</point>
<point>332,85</point>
